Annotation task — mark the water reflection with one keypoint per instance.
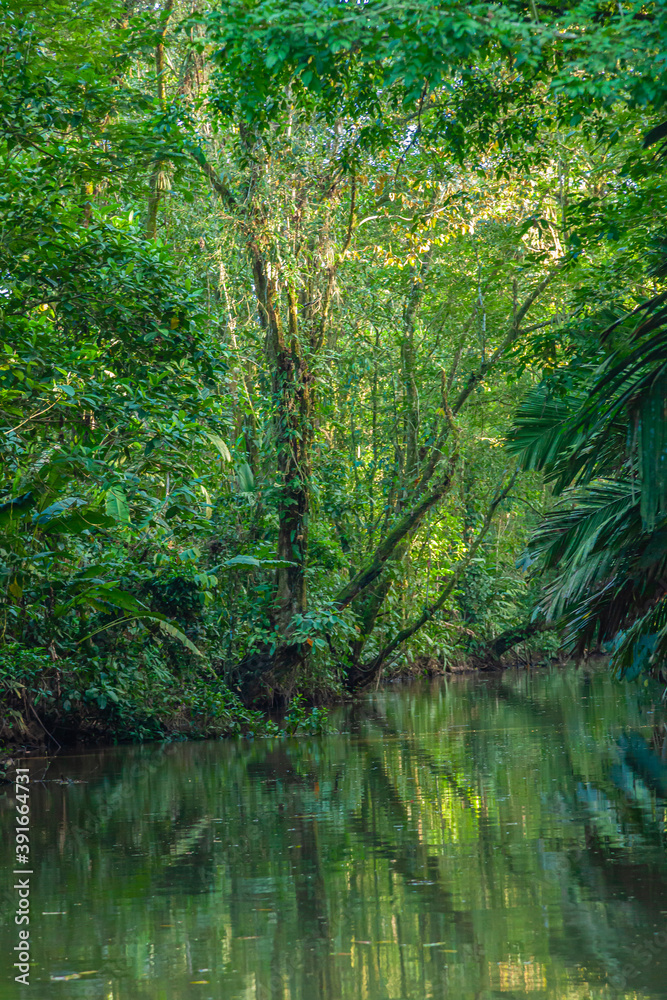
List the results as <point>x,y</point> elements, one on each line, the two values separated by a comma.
<point>503,838</point>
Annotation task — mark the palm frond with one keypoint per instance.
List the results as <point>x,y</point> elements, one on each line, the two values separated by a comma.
<point>604,566</point>
<point>644,645</point>
<point>632,384</point>
<point>555,435</point>
<point>543,429</point>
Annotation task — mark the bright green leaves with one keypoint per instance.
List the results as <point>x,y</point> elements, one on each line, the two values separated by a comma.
<point>106,347</point>
<point>604,446</point>
<point>175,633</point>
<point>343,56</point>
<point>70,516</point>
<point>340,55</point>
<point>243,561</point>
<point>116,506</point>
<point>220,445</point>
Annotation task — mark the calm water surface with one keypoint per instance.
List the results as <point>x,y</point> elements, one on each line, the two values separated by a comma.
<point>464,840</point>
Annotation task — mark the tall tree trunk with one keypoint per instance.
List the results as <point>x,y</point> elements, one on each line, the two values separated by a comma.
<point>294,398</point>
<point>157,174</point>
<point>268,670</point>
<point>292,385</point>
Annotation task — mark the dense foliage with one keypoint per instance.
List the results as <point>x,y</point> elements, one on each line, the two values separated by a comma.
<point>274,279</point>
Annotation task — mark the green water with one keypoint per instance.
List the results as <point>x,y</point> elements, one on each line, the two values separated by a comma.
<point>477,839</point>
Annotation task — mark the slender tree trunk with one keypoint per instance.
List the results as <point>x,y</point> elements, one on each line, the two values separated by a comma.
<point>367,607</point>
<point>510,638</point>
<point>361,676</point>
<point>408,364</point>
<point>407,523</point>
<point>157,172</point>
<point>436,465</point>
<point>368,604</point>
<point>294,397</point>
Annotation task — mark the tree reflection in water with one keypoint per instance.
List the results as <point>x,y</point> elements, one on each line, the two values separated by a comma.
<point>477,839</point>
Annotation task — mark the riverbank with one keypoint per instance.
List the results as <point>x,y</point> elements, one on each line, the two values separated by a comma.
<point>48,704</point>
<point>53,702</point>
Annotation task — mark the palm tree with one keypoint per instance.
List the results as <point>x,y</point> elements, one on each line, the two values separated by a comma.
<point>603,446</point>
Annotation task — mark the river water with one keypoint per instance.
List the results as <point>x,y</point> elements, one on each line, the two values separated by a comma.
<point>472,839</point>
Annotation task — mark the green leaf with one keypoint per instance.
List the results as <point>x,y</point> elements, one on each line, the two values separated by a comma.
<point>57,509</point>
<point>116,505</point>
<point>243,561</point>
<point>16,508</point>
<point>220,445</point>
<point>121,599</point>
<point>172,630</point>
<point>78,522</point>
